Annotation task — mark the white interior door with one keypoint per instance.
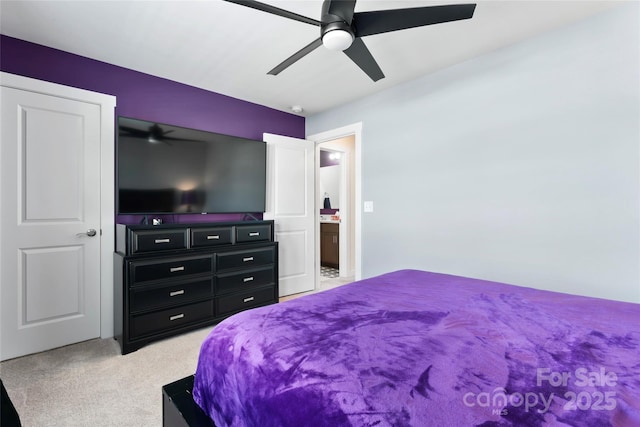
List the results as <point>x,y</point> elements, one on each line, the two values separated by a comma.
<point>291,203</point>
<point>49,222</point>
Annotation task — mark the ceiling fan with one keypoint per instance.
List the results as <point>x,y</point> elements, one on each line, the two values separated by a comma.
<point>153,134</point>
<point>341,28</point>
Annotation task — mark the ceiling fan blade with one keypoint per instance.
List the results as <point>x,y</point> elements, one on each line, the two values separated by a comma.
<point>342,9</point>
<point>133,131</point>
<point>275,11</point>
<point>384,21</point>
<point>359,54</point>
<point>296,56</point>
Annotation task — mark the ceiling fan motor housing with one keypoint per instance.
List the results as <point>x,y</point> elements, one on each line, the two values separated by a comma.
<point>336,30</point>
<point>337,35</point>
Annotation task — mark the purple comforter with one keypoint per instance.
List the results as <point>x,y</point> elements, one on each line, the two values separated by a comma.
<point>413,348</point>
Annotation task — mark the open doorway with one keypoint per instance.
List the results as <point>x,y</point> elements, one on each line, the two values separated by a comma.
<point>347,141</point>
<point>335,198</point>
<point>338,198</point>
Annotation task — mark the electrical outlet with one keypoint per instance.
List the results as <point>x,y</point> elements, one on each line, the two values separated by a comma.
<point>368,206</point>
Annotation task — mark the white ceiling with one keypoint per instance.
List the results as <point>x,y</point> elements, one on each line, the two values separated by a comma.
<point>227,48</point>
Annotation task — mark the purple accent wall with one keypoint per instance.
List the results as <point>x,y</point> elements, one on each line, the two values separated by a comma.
<point>151,98</point>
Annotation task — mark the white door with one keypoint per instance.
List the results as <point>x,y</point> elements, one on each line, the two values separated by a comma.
<point>291,203</point>
<point>49,222</point>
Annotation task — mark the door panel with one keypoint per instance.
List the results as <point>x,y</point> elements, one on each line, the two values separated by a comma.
<point>291,203</point>
<point>50,276</point>
<point>289,244</point>
<point>50,293</point>
<point>40,194</point>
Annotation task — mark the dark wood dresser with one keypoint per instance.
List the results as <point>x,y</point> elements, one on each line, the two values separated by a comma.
<point>172,278</point>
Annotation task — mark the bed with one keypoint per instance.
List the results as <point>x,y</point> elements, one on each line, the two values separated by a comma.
<point>414,348</point>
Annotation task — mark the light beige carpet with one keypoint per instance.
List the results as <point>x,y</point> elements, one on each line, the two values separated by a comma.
<point>91,384</point>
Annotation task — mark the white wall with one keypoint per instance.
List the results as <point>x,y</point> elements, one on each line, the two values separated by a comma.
<point>521,166</point>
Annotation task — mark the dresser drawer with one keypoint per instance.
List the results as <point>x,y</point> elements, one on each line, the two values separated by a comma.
<point>167,268</point>
<point>168,295</point>
<point>160,321</point>
<point>241,301</point>
<point>157,240</point>
<point>245,259</point>
<point>253,233</point>
<point>204,237</point>
<point>244,280</point>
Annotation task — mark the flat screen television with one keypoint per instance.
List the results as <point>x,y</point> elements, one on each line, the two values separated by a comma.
<point>165,169</point>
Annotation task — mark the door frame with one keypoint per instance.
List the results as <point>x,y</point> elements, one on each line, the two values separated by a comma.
<point>107,104</point>
<point>354,129</point>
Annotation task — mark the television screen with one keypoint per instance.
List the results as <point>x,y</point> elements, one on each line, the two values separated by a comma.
<point>170,169</point>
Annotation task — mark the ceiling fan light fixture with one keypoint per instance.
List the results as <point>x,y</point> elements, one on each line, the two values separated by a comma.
<point>337,39</point>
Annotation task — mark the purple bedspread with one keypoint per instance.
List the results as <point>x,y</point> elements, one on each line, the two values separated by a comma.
<point>413,348</point>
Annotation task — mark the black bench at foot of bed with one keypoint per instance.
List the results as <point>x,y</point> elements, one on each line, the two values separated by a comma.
<point>8,414</point>
<point>178,407</point>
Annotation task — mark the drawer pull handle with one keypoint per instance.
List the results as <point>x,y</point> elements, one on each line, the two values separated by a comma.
<point>254,234</point>
<point>247,279</point>
<point>248,299</point>
<point>176,269</point>
<point>213,237</point>
<point>247,259</point>
<point>175,293</point>
<point>162,240</point>
<point>176,317</point>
